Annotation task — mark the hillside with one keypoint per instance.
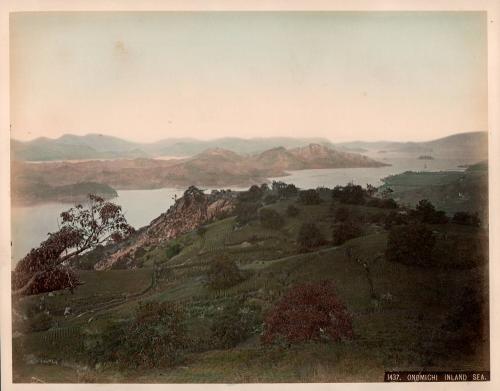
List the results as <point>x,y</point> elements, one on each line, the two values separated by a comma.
<point>395,307</point>
<point>213,168</point>
<point>472,145</point>
<point>31,192</point>
<point>451,191</point>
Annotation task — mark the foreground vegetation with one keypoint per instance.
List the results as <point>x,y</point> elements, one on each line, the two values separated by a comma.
<point>234,301</point>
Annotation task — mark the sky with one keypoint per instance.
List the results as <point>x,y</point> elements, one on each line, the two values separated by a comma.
<point>339,75</point>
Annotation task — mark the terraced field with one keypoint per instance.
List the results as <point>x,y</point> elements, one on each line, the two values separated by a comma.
<point>392,331</point>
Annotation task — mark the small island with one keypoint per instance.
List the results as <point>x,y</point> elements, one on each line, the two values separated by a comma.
<point>425,157</point>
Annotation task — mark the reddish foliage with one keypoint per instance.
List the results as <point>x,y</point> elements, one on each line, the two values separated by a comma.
<point>308,312</point>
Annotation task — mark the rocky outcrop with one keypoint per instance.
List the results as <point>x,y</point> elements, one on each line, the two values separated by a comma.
<point>189,212</point>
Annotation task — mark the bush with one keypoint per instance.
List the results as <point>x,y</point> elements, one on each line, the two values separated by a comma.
<point>308,312</point>
<point>309,236</point>
<point>309,197</point>
<point>234,324</point>
<point>269,218</point>
<point>223,273</point>
<point>394,219</point>
<point>156,337</point>
<point>246,212</point>
<point>253,194</point>
<point>465,218</point>
<point>412,244</point>
<point>270,199</point>
<point>387,203</point>
<point>292,211</point>
<point>349,194</point>
<point>460,252</point>
<point>427,213</point>
<point>201,231</point>
<point>284,190</point>
<point>342,214</point>
<point>346,231</point>
<point>173,249</point>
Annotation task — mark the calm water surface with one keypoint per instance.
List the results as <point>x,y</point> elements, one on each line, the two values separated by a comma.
<point>30,224</point>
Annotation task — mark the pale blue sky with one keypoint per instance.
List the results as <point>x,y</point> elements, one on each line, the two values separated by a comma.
<point>341,75</point>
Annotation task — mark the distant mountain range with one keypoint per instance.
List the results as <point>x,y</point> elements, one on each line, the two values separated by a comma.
<point>94,146</point>
<point>472,145</point>
<point>216,167</point>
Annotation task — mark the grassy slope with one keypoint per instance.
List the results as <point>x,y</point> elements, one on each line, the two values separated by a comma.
<point>389,335</point>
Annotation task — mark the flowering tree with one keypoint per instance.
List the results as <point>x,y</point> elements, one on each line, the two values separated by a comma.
<point>47,268</point>
<point>308,312</point>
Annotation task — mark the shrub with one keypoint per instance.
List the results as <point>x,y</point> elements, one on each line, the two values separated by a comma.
<point>412,244</point>
<point>309,236</point>
<point>345,231</point>
<point>156,337</point>
<point>459,252</point>
<point>465,218</point>
<point>173,249</point>
<point>234,324</point>
<point>349,194</point>
<point>342,214</point>
<point>427,213</point>
<point>308,312</point>
<point>309,197</point>
<point>270,199</point>
<point>254,193</point>
<point>223,273</point>
<point>269,218</point>
<point>246,211</point>
<point>395,218</point>
<point>292,211</point>
<point>201,231</point>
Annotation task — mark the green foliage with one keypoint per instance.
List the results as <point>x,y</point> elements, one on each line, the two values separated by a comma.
<point>234,324</point>
<point>223,273</point>
<point>342,214</point>
<point>465,218</point>
<point>253,194</point>
<point>284,190</point>
<point>345,231</point>
<point>309,236</point>
<point>309,197</point>
<point>173,249</point>
<point>270,199</point>
<point>246,212</point>
<point>156,337</point>
<point>460,252</point>
<point>412,244</point>
<point>349,194</point>
<point>427,213</point>
<point>269,218</point>
<point>292,211</point>
<point>201,231</point>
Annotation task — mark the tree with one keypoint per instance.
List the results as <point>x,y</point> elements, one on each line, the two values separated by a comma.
<point>309,236</point>
<point>155,337</point>
<point>349,194</point>
<point>465,218</point>
<point>246,211</point>
<point>411,244</point>
<point>269,218</point>
<point>254,193</point>
<point>292,211</point>
<point>346,231</point>
<point>308,312</point>
<point>48,267</point>
<point>309,197</point>
<point>342,214</point>
<point>223,273</point>
<point>427,213</point>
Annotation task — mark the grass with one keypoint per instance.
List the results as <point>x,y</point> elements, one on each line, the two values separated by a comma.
<point>389,334</point>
